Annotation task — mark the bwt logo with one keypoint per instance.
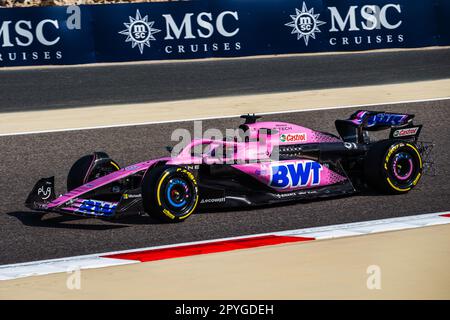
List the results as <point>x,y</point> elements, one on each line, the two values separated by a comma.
<point>385,119</point>
<point>98,207</point>
<point>299,174</point>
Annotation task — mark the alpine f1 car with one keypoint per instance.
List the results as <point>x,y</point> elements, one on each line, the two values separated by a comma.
<point>274,162</point>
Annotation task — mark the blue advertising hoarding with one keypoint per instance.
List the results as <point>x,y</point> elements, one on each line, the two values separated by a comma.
<point>46,35</point>
<point>216,28</point>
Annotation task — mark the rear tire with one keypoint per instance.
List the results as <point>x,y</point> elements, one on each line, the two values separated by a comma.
<point>90,167</point>
<point>169,193</point>
<point>393,167</point>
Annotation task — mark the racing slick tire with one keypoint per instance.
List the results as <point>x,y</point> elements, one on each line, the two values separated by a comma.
<point>169,193</point>
<point>393,167</point>
<point>90,167</point>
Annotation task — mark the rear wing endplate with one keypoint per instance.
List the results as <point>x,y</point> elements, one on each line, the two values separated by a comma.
<point>354,129</point>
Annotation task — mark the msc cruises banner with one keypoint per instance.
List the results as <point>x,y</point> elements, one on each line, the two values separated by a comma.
<point>46,35</point>
<point>216,28</point>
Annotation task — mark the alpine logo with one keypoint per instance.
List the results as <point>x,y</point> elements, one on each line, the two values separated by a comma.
<point>293,137</point>
<point>295,175</point>
<point>405,132</point>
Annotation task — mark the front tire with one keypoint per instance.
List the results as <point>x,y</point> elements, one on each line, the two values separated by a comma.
<point>393,167</point>
<point>169,193</point>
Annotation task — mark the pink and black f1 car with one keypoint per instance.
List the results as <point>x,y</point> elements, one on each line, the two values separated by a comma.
<point>274,162</point>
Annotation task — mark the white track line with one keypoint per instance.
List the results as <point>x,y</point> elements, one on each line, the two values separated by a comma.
<point>43,267</point>
<point>223,117</point>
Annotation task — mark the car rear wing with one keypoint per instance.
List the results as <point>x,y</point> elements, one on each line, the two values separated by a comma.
<point>356,127</point>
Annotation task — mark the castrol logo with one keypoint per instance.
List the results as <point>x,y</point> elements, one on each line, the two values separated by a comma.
<point>293,137</point>
<point>405,132</point>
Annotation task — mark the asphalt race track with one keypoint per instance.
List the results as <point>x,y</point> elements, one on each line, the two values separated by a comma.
<point>25,158</point>
<point>62,87</point>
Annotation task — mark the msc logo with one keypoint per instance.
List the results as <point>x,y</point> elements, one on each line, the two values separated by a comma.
<point>305,23</point>
<point>294,175</point>
<point>139,31</point>
<point>370,17</point>
<point>98,207</point>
